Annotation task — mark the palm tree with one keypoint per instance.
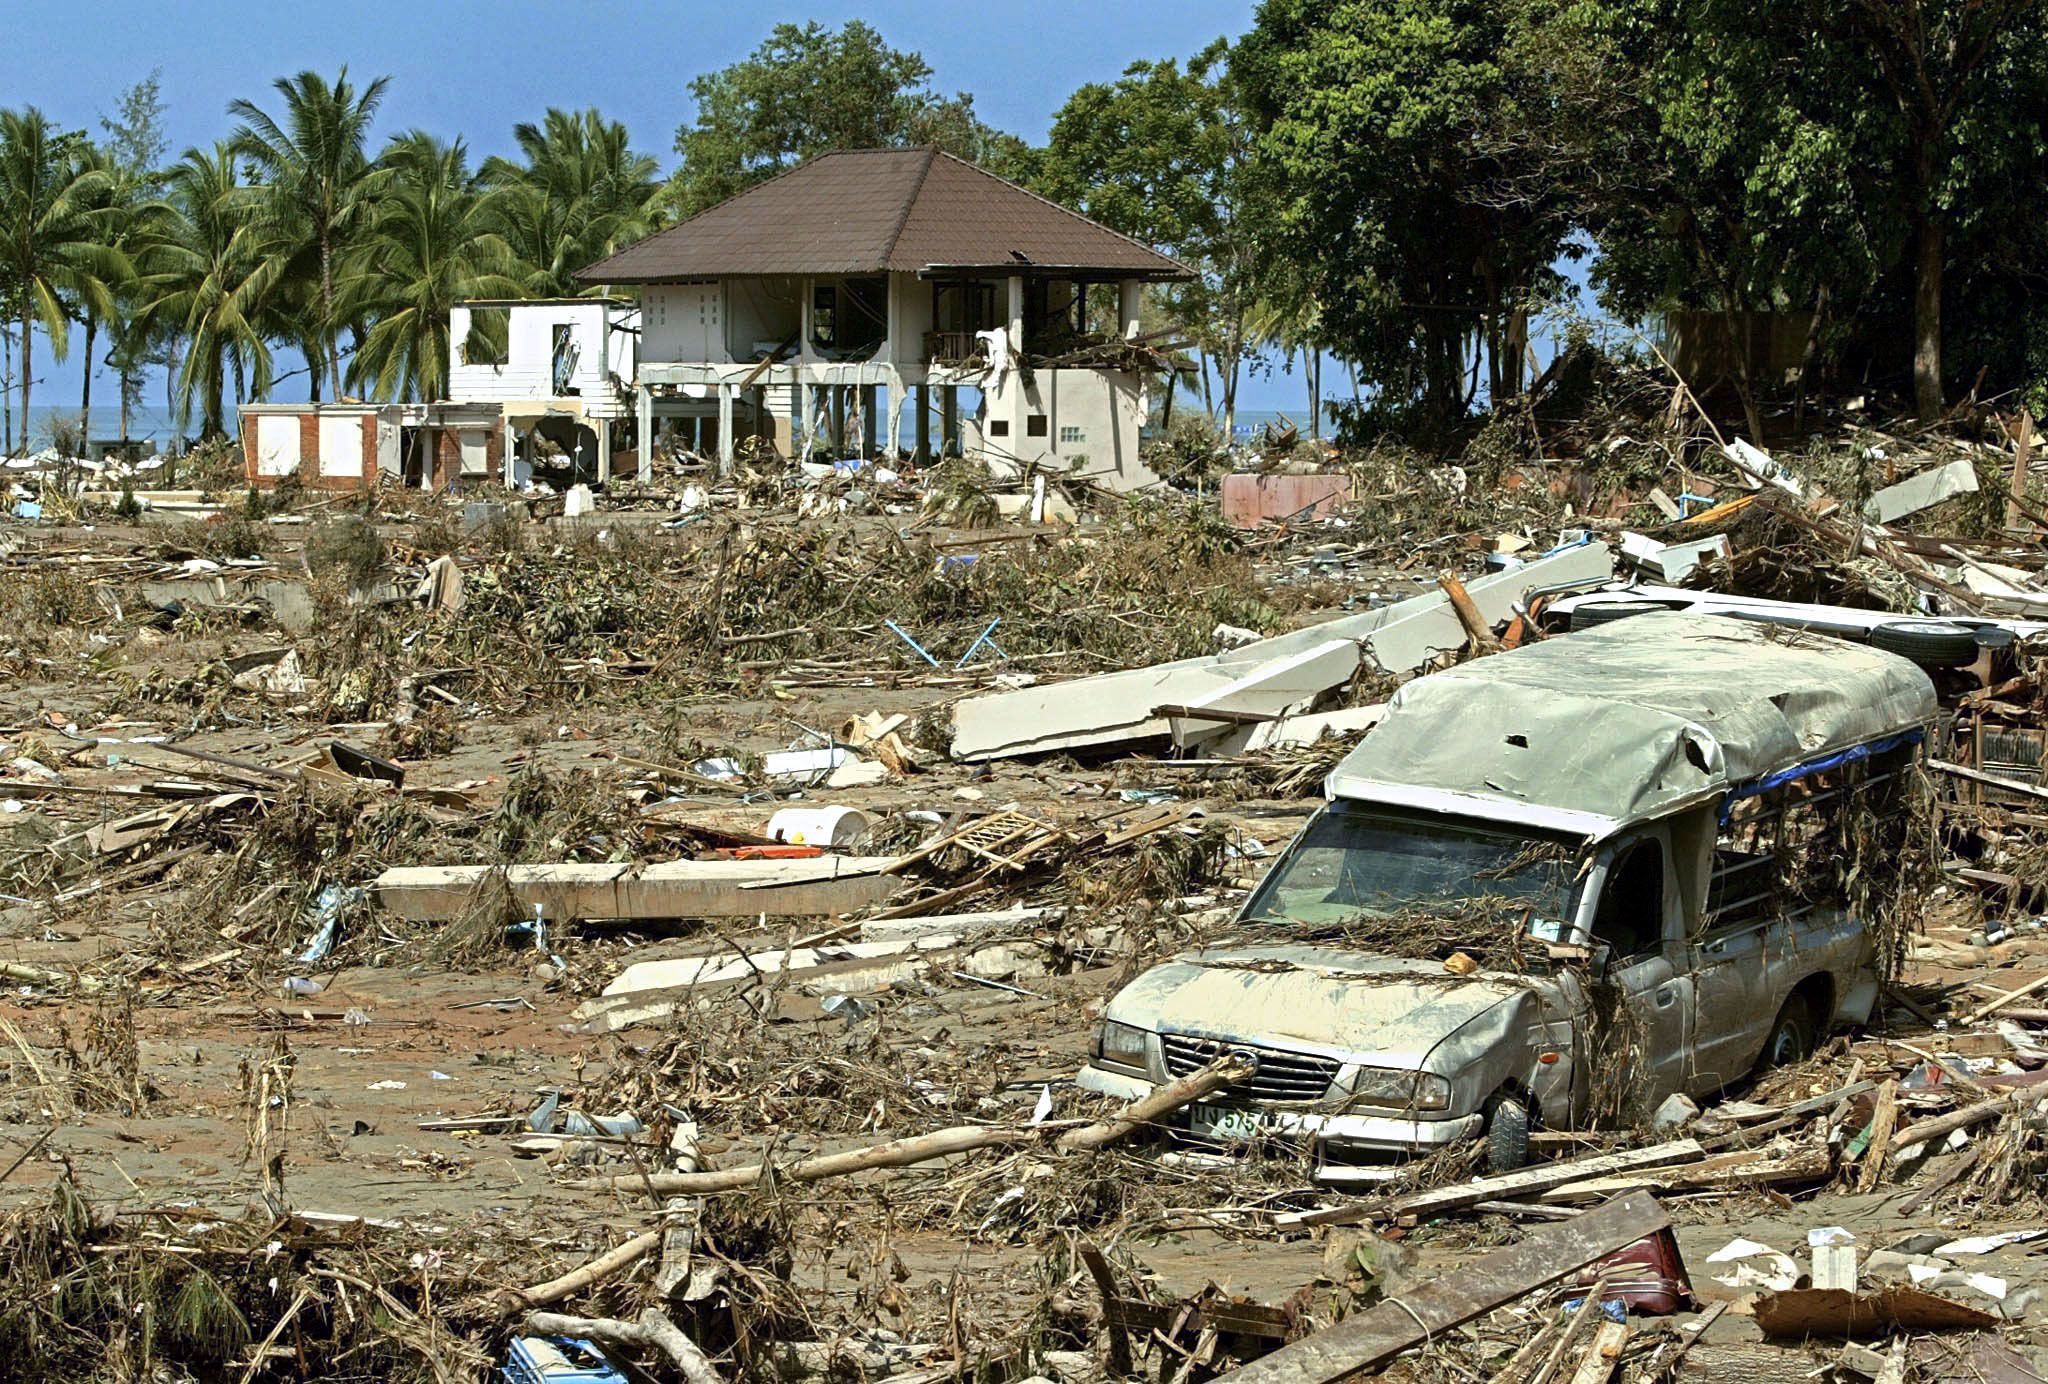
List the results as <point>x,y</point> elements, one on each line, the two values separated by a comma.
<point>320,182</point>
<point>430,246</point>
<point>578,193</point>
<point>115,208</point>
<point>206,278</point>
<point>50,236</point>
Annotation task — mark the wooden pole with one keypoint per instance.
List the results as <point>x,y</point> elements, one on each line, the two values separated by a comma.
<point>1477,632</point>
<point>2022,459</point>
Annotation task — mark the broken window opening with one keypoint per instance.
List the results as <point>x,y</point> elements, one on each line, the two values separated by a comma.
<point>563,354</point>
<point>850,318</point>
<point>1629,920</point>
<point>1794,847</point>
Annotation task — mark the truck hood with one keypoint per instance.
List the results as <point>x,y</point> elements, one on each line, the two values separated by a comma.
<point>1349,1003</point>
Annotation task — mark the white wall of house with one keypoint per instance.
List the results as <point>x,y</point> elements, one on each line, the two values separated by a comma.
<point>602,334</point>
<point>1084,422</point>
<point>684,322</point>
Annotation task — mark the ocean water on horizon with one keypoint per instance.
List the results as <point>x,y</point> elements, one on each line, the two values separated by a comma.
<point>146,423</point>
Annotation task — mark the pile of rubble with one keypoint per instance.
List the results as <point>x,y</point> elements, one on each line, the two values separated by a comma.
<point>675,926</point>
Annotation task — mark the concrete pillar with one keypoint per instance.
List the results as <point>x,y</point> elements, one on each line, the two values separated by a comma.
<point>799,396</point>
<point>643,413</point>
<point>725,448</point>
<point>870,402</point>
<point>1129,293</point>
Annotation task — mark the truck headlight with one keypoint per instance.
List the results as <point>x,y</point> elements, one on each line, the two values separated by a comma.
<point>1123,1044</point>
<point>1399,1089</point>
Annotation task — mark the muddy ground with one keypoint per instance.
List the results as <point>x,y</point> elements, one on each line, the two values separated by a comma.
<point>964,1254</point>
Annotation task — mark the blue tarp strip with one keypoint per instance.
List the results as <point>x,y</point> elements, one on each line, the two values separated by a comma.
<point>1851,755</point>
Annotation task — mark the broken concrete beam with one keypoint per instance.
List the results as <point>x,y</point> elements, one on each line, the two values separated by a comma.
<point>958,924</point>
<point>674,889</point>
<point>1304,730</point>
<point>684,972</point>
<point>1114,708</point>
<point>1424,627</point>
<point>1672,561</point>
<point>1923,491</point>
<point>1270,690</point>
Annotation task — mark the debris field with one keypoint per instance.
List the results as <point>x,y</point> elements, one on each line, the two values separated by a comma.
<point>436,925</point>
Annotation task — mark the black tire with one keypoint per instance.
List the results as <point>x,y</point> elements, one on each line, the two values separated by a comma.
<point>1507,1133</point>
<point>1592,613</point>
<point>1792,1037</point>
<point>1929,643</point>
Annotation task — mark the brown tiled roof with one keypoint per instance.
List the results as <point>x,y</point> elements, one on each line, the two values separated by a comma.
<point>863,211</point>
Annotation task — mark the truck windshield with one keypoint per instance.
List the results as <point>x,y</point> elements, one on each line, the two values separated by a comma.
<point>1352,864</point>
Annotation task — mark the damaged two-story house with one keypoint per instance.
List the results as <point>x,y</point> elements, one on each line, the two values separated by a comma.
<point>865,299</point>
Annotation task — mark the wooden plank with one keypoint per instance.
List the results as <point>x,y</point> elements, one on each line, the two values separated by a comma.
<point>1505,1187</point>
<point>1992,1006</point>
<point>1368,1340</point>
<point>1941,1126</point>
<point>674,889</point>
<point>1603,1353</point>
<point>1749,1169</point>
<point>1989,780</point>
<point>1883,1121</point>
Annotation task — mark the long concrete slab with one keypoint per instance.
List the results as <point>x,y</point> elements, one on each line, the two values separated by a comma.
<point>673,889</point>
<point>1110,708</point>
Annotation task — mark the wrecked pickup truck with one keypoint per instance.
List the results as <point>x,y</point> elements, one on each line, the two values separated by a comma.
<point>1556,885</point>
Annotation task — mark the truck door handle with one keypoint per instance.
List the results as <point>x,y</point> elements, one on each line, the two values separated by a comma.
<point>1666,996</point>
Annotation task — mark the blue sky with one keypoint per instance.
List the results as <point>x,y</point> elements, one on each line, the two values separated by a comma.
<point>476,69</point>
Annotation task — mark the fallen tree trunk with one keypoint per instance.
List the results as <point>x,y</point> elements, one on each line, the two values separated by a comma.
<point>1162,1102</point>
<point>943,1143</point>
<point>1941,1126</point>
<point>653,1330</point>
<point>576,1280</point>
<point>897,1153</point>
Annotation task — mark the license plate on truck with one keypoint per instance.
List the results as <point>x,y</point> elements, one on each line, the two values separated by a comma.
<point>1228,1124</point>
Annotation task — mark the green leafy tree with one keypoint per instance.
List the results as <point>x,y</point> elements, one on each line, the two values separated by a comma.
<point>1419,233</point>
<point>1163,154</point>
<point>135,147</point>
<point>205,280</point>
<point>1967,80</point>
<point>320,184</point>
<point>51,236</point>
<point>1737,155</point>
<point>576,193</point>
<point>431,245</point>
<point>810,90</point>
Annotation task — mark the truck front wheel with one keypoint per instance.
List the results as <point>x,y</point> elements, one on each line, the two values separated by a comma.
<point>1507,1133</point>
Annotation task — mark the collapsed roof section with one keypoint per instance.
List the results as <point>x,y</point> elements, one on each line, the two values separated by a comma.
<point>871,211</point>
<point>1629,720</point>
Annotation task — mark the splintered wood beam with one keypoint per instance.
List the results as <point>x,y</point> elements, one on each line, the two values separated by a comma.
<point>1368,1340</point>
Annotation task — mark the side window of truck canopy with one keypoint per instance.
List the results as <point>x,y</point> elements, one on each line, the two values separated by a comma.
<point>1789,843</point>
<point>1352,862</point>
